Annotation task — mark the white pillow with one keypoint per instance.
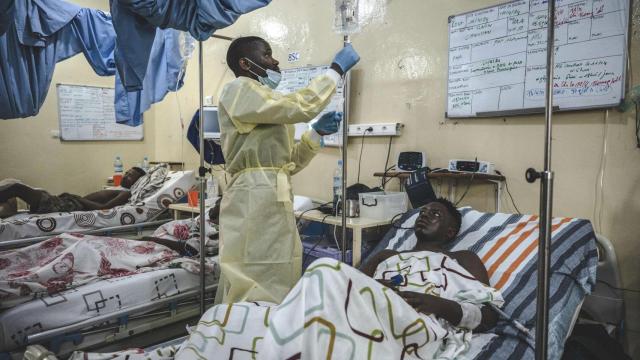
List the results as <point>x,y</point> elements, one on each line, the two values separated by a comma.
<point>174,188</point>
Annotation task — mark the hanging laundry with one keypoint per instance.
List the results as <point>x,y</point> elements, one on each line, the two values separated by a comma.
<point>42,33</point>
<point>135,22</point>
<point>7,11</point>
<point>165,72</point>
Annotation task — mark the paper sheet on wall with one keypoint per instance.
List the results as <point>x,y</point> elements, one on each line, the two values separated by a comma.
<point>298,78</point>
<point>497,57</point>
<point>86,113</point>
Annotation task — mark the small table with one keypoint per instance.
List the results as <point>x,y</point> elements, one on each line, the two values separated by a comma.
<point>178,209</point>
<point>454,177</point>
<point>356,224</point>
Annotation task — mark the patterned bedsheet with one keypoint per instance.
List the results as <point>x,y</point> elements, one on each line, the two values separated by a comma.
<point>507,244</point>
<point>27,225</point>
<point>337,312</point>
<point>53,279</point>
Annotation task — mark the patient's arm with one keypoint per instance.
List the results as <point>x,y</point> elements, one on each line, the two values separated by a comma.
<point>451,310</point>
<point>103,202</point>
<point>180,246</point>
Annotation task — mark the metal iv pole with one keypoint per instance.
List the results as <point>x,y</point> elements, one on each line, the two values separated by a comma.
<point>203,181</point>
<point>546,201</point>
<point>345,142</point>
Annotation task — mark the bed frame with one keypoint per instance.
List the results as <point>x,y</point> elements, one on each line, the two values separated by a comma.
<point>152,222</point>
<point>137,326</point>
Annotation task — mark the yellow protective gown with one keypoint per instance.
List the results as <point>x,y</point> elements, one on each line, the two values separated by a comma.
<point>260,249</point>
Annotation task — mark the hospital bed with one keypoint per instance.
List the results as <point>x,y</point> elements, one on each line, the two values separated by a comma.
<point>107,315</point>
<point>24,228</point>
<point>507,244</point>
<point>108,311</point>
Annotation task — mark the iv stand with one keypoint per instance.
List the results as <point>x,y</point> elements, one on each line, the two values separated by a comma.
<point>546,201</point>
<point>203,181</point>
<point>345,138</point>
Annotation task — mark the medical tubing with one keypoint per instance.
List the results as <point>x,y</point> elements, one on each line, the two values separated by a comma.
<point>306,211</point>
<point>513,322</point>
<point>473,174</point>
<point>393,222</point>
<point>386,164</point>
<point>361,151</point>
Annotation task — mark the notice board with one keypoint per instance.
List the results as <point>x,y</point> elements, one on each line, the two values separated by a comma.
<point>87,113</point>
<point>298,78</point>
<point>497,57</point>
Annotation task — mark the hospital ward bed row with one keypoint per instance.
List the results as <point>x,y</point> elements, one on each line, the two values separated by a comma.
<point>507,245</point>
<point>25,228</point>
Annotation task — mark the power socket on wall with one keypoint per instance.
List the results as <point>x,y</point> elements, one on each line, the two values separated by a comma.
<point>381,129</point>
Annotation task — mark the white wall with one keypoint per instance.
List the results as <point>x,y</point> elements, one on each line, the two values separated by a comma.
<point>402,77</point>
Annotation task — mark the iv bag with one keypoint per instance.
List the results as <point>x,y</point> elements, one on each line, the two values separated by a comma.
<point>346,17</point>
<point>187,44</point>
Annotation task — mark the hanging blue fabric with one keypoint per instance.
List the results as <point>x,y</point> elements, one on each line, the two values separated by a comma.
<point>165,72</point>
<point>213,152</point>
<point>7,12</point>
<point>42,33</point>
<point>135,22</point>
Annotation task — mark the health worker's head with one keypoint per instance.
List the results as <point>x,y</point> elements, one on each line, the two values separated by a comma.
<point>251,56</point>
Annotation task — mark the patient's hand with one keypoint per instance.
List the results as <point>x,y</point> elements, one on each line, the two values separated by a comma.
<point>387,283</point>
<point>430,304</point>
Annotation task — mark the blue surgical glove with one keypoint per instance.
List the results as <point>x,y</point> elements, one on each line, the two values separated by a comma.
<point>346,58</point>
<point>328,123</point>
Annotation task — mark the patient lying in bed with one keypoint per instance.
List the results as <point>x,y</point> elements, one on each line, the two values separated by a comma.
<point>417,304</point>
<point>42,202</point>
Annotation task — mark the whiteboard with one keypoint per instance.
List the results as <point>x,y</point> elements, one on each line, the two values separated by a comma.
<point>295,79</point>
<point>497,57</point>
<point>87,113</point>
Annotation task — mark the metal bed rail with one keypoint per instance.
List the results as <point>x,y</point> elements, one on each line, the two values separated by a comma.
<point>49,334</point>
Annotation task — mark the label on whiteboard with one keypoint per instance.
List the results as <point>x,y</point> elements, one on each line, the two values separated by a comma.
<point>293,56</point>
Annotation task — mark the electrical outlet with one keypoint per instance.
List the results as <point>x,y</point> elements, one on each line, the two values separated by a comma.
<point>382,129</point>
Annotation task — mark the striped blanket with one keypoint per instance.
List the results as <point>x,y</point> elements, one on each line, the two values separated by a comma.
<point>507,244</point>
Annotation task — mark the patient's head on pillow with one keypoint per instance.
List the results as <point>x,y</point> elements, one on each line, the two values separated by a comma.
<point>438,223</point>
<point>131,176</point>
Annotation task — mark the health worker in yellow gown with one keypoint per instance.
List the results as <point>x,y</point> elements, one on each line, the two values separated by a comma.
<point>260,249</point>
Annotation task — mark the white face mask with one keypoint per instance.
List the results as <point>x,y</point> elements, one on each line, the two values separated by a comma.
<point>271,80</point>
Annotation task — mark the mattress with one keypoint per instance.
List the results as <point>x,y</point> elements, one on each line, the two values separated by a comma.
<point>507,245</point>
<point>97,298</point>
<point>27,225</point>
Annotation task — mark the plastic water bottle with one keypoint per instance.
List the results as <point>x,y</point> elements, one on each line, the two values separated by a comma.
<point>337,186</point>
<point>118,171</point>
<point>117,166</point>
<point>145,164</point>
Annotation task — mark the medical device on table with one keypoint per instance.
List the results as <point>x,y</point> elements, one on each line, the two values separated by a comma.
<point>211,123</point>
<point>411,161</point>
<point>476,166</point>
